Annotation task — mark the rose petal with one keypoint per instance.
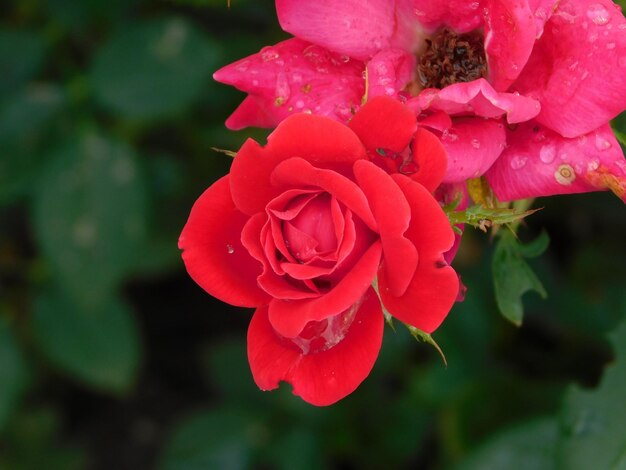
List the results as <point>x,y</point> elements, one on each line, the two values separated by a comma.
<point>293,76</point>
<point>384,123</point>
<point>460,15</point>
<point>472,145</point>
<point>393,214</point>
<point>577,69</point>
<point>324,377</point>
<point>316,139</point>
<point>540,162</point>
<point>478,98</point>
<point>435,285</point>
<point>289,318</point>
<point>430,157</point>
<point>213,253</point>
<point>510,34</point>
<point>297,172</point>
<point>351,27</point>
<point>388,72</point>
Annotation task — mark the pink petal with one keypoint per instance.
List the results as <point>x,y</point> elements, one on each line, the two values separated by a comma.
<point>460,15</point>
<point>291,77</point>
<point>388,72</point>
<point>212,249</point>
<point>540,162</point>
<point>324,377</point>
<point>289,318</point>
<point>473,145</point>
<point>480,99</point>
<point>435,285</point>
<point>577,69</point>
<point>356,28</point>
<point>542,11</point>
<point>393,214</point>
<point>510,34</point>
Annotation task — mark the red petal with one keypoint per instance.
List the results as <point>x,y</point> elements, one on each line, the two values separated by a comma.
<point>324,377</point>
<point>384,123</point>
<point>393,214</point>
<point>290,317</point>
<point>212,249</point>
<point>316,139</point>
<point>299,173</point>
<point>435,285</point>
<point>431,158</point>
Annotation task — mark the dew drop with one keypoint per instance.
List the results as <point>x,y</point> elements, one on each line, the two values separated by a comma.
<point>230,249</point>
<point>598,14</point>
<point>518,162</point>
<point>602,143</point>
<point>547,154</point>
<point>474,5</point>
<point>565,175</point>
<point>268,54</point>
<point>475,143</point>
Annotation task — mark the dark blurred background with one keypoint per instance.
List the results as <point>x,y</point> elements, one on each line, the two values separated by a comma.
<point>112,358</point>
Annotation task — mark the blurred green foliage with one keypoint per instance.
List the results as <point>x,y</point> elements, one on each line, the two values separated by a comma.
<point>111,357</point>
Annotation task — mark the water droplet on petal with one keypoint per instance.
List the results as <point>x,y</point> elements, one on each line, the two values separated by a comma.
<point>547,154</point>
<point>518,162</point>
<point>476,143</point>
<point>565,175</point>
<point>602,143</point>
<point>598,14</point>
<point>230,249</point>
<point>268,53</point>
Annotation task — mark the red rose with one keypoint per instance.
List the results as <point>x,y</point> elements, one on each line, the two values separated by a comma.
<point>301,228</point>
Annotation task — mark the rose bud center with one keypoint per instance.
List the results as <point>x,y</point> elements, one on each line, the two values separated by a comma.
<point>312,232</point>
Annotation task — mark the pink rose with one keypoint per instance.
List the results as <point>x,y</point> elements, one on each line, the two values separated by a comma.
<point>301,228</point>
<point>520,91</point>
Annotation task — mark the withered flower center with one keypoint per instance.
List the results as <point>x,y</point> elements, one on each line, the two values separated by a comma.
<point>452,58</point>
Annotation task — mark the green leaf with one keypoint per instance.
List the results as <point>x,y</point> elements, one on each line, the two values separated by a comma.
<point>530,445</point>
<point>21,56</point>
<point>12,372</point>
<point>219,438</point>
<point>512,277</point>
<point>593,421</point>
<point>99,344</point>
<point>24,123</point>
<point>153,69</point>
<point>90,215</point>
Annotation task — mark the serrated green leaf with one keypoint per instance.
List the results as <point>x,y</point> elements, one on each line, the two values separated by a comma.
<point>90,215</point>
<point>12,372</point>
<point>98,344</point>
<point>153,69</point>
<point>512,276</point>
<point>593,421</point>
<point>483,217</point>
